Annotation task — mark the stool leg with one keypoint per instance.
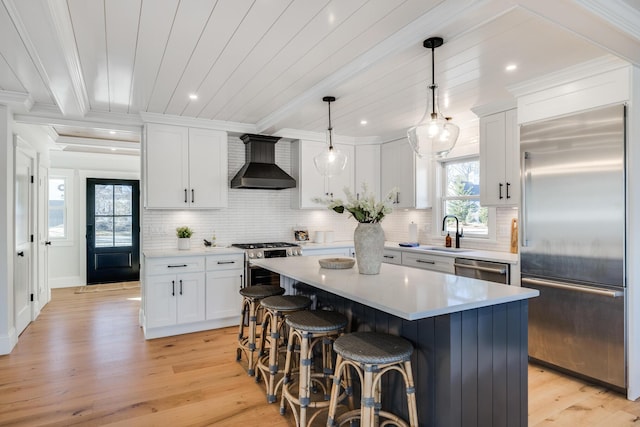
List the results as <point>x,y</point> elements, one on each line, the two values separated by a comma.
<point>411,395</point>
<point>305,376</point>
<point>286,379</point>
<point>335,391</point>
<point>276,324</point>
<point>367,403</point>
<point>252,336</point>
<point>266,328</point>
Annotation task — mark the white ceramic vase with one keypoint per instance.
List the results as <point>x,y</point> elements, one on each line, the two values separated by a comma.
<point>184,243</point>
<point>368,239</point>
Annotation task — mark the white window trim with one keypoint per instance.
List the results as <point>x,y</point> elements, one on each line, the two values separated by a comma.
<point>68,175</point>
<point>437,212</point>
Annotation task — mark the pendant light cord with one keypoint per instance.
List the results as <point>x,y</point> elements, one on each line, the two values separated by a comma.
<point>330,129</point>
<point>433,82</point>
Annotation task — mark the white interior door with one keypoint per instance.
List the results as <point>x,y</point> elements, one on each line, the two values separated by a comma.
<point>43,293</point>
<point>22,257</point>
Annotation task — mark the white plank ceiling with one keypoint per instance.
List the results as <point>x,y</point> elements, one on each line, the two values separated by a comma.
<point>88,67</point>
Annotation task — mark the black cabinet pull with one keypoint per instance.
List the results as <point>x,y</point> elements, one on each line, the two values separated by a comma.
<point>425,261</point>
<point>389,256</point>
<point>173,288</point>
<point>241,281</point>
<point>226,262</point>
<point>176,266</point>
<point>180,286</point>
<point>185,195</point>
<point>508,195</point>
<point>500,191</point>
<point>193,197</point>
<point>47,243</point>
<point>21,253</point>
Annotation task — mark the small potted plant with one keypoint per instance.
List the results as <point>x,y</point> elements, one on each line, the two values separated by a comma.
<point>184,237</point>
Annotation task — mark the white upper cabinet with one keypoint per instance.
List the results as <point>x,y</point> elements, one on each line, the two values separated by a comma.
<point>402,169</point>
<point>499,160</point>
<point>185,168</point>
<point>309,182</point>
<point>367,165</point>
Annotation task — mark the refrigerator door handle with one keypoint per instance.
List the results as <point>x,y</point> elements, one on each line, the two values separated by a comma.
<point>571,287</point>
<point>523,194</point>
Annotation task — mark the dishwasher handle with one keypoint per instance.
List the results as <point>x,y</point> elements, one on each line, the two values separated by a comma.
<point>572,287</point>
<point>502,270</point>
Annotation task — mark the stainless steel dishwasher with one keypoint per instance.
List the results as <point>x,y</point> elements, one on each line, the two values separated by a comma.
<point>483,270</point>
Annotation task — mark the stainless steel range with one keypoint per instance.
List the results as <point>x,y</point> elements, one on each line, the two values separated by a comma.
<point>260,276</point>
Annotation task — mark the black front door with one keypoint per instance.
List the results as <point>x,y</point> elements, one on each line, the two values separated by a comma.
<point>113,230</point>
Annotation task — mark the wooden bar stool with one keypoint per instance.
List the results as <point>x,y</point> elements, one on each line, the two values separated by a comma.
<point>372,355</point>
<point>251,297</point>
<point>307,329</point>
<point>276,308</point>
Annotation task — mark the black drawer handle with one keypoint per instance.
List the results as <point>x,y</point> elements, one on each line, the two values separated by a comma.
<point>425,261</point>
<point>173,288</point>
<point>185,195</point>
<point>177,266</point>
<point>226,262</point>
<point>389,256</point>
<point>180,286</point>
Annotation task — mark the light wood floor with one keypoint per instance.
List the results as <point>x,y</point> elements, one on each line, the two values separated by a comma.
<point>85,362</point>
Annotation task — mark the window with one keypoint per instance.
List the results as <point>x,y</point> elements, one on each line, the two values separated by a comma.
<point>461,197</point>
<point>58,207</point>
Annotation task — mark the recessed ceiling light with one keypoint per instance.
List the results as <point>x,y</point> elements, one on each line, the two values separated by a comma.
<point>112,132</point>
<point>363,122</point>
<point>193,96</point>
<point>113,149</point>
<point>511,67</point>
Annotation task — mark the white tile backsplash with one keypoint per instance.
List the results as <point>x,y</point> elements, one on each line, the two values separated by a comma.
<point>266,216</point>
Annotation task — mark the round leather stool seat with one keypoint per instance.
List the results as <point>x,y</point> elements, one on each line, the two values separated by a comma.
<point>317,321</point>
<point>373,348</point>
<point>286,303</point>
<point>261,291</point>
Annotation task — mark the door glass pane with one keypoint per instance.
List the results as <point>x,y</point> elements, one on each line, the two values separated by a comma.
<point>104,200</point>
<point>104,232</point>
<point>123,199</point>
<point>123,234</point>
<point>57,228</point>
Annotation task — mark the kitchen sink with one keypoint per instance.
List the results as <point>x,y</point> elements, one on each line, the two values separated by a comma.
<point>443,249</point>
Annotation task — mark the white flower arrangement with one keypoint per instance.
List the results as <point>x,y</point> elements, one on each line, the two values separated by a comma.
<point>364,209</point>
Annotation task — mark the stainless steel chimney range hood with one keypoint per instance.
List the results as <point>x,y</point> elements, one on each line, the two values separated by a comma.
<point>260,170</point>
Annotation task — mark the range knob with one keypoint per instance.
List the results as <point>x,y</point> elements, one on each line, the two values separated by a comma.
<point>250,254</point>
<point>259,254</point>
<point>290,252</point>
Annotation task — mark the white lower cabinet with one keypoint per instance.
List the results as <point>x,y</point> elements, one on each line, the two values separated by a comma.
<point>224,280</point>
<point>429,262</point>
<point>191,293</point>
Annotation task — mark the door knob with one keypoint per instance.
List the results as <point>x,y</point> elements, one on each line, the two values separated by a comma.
<point>21,253</point>
<point>47,243</point>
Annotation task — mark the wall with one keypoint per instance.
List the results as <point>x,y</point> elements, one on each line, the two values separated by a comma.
<point>8,337</point>
<point>266,215</point>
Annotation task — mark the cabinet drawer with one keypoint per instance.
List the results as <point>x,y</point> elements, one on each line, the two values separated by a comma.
<point>428,262</point>
<point>392,256</point>
<point>174,265</point>
<point>225,262</point>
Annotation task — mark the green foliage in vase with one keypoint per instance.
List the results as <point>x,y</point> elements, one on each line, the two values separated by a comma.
<point>184,232</point>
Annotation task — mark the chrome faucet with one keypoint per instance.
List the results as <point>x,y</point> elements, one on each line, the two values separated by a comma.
<point>458,233</point>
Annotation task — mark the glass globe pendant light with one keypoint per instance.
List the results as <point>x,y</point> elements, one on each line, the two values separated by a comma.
<point>331,161</point>
<point>436,134</point>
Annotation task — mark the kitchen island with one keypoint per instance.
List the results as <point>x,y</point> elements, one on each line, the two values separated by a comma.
<point>470,336</point>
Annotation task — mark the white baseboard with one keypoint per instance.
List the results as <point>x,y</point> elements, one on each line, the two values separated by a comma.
<point>7,342</point>
<point>66,282</point>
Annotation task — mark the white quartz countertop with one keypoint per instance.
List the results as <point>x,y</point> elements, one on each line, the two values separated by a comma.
<point>409,293</point>
<point>199,251</point>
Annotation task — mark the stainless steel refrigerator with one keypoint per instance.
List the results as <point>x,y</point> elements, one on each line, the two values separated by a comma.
<point>573,242</point>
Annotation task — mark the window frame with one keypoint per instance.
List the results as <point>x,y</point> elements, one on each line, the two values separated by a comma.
<point>68,177</point>
<point>442,199</point>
